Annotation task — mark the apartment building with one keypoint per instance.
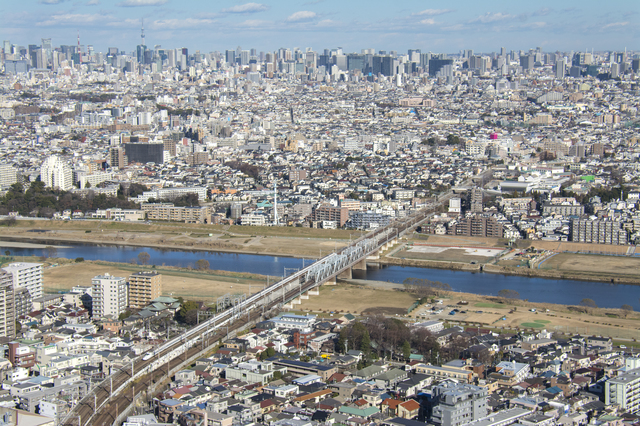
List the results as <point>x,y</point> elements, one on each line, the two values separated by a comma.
<point>598,231</point>
<point>171,213</point>
<point>109,296</point>
<point>477,226</point>
<point>144,286</point>
<point>7,313</point>
<point>340,215</point>
<point>624,391</point>
<point>458,404</point>
<point>27,275</point>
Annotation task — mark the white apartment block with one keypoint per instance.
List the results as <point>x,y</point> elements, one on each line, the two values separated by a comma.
<point>109,295</point>
<point>624,391</point>
<point>27,275</point>
<point>8,176</point>
<point>56,174</point>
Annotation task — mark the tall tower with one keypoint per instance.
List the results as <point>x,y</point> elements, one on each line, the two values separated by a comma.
<point>79,51</point>
<point>142,32</point>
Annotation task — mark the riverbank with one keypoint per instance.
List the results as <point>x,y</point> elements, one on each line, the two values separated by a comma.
<point>505,270</point>
<point>302,243</point>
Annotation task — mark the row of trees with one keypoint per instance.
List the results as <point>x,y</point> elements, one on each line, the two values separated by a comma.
<point>423,288</point>
<point>377,336</point>
<point>44,202</point>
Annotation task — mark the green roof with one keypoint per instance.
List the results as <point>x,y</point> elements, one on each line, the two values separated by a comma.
<point>366,412</point>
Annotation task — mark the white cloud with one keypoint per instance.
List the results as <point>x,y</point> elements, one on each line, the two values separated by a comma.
<point>433,12</point>
<point>428,21</point>
<point>140,3</point>
<point>176,24</point>
<point>492,17</point>
<point>72,18</point>
<point>534,25</point>
<point>51,2</point>
<point>246,8</point>
<point>616,25</point>
<point>254,23</point>
<point>328,23</point>
<point>303,15</point>
<point>93,3</point>
<point>135,23</point>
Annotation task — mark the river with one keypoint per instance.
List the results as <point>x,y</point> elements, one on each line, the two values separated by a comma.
<point>567,292</point>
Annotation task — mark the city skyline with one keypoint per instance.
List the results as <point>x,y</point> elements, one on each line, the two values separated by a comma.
<point>437,26</point>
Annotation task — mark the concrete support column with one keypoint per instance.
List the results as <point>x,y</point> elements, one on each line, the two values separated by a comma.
<point>345,275</point>
<point>330,281</point>
<point>361,265</point>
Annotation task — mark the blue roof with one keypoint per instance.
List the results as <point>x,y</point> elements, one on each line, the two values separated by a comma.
<point>554,390</point>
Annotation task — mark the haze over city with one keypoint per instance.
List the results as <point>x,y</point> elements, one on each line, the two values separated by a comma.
<point>439,26</point>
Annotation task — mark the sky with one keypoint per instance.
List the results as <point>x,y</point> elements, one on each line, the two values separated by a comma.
<point>429,25</point>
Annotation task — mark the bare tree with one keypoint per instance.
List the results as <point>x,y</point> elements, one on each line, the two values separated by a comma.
<point>143,258</point>
<point>50,251</point>
<point>202,264</point>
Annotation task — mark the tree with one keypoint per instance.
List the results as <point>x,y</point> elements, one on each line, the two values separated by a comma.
<point>508,294</point>
<point>406,349</point>
<point>50,251</point>
<point>588,303</point>
<point>202,264</point>
<point>626,309</point>
<point>185,308</point>
<point>143,258</point>
<point>7,253</point>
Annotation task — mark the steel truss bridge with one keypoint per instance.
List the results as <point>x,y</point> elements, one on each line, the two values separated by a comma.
<point>106,402</point>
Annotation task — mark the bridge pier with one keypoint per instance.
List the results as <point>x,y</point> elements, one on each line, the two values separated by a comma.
<point>330,281</point>
<point>361,265</point>
<point>344,275</point>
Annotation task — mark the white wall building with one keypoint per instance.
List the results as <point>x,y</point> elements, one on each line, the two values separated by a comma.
<point>56,174</point>
<point>27,275</point>
<point>109,295</point>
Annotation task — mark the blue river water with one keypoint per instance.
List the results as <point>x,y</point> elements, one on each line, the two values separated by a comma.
<point>567,292</point>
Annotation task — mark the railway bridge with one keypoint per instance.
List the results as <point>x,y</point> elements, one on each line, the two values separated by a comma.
<point>107,403</point>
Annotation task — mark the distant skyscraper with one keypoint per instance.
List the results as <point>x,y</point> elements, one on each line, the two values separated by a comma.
<point>436,65</point>
<point>561,69</point>
<point>230,57</point>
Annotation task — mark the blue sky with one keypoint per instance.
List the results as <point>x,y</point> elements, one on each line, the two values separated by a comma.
<point>430,25</point>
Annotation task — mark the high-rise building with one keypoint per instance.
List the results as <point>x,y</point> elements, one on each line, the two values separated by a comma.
<point>117,157</point>
<point>561,69</point>
<point>55,173</point>
<point>144,286</point>
<point>475,200</point>
<point>26,275</point>
<point>458,404</point>
<point>8,176</point>
<point>109,296</point>
<point>436,65</point>
<point>624,391</point>
<point>7,313</point>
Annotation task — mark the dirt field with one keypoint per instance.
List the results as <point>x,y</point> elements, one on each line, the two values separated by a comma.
<point>593,263</point>
<point>190,285</point>
<point>451,254</point>
<point>454,240</point>
<point>357,299</point>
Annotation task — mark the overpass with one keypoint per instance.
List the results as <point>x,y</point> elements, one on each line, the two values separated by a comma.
<point>107,402</point>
